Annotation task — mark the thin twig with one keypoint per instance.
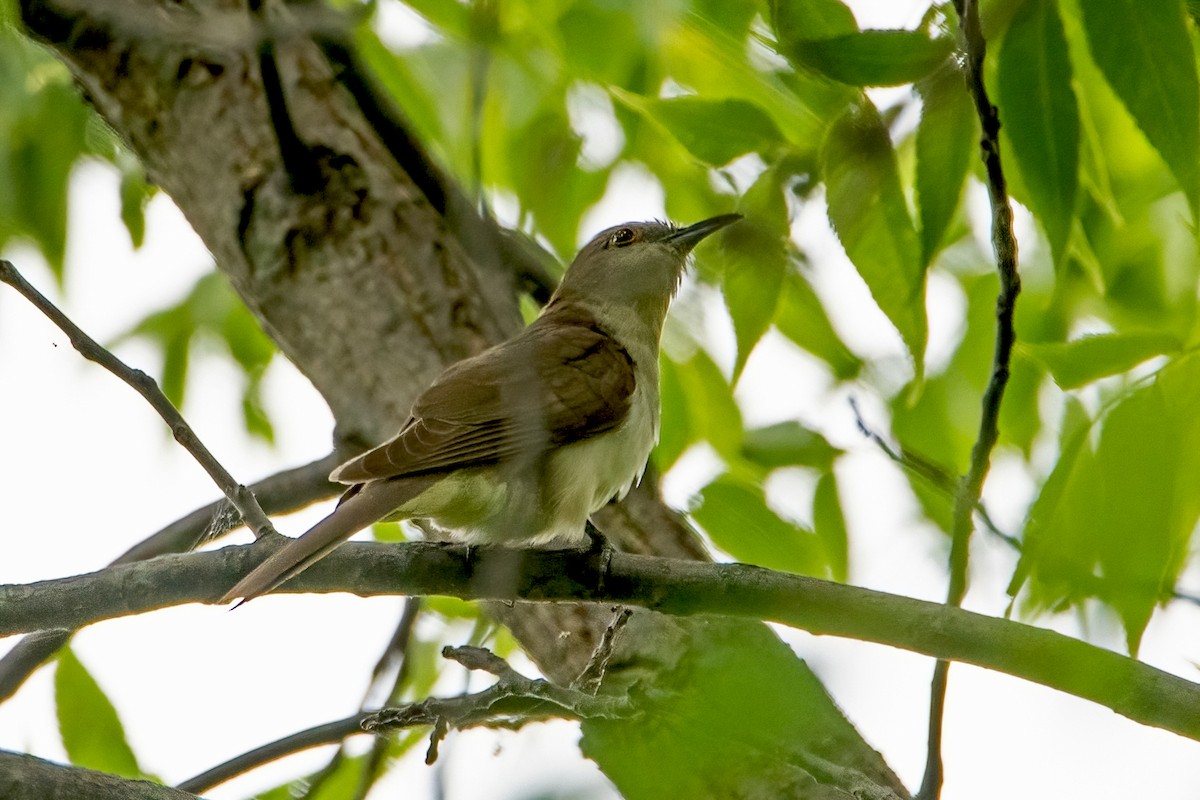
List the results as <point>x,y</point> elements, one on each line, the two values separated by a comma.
<point>511,703</point>
<point>241,497</point>
<point>394,652</point>
<point>970,489</point>
<point>328,733</point>
<point>592,676</point>
<point>934,474</point>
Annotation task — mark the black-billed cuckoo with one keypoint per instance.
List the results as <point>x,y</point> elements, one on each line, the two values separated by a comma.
<point>523,442</point>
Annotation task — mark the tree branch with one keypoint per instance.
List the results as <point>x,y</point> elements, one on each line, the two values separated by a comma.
<point>281,493</point>
<point>241,497</point>
<point>1129,687</point>
<point>970,488</point>
<point>328,733</point>
<point>26,777</point>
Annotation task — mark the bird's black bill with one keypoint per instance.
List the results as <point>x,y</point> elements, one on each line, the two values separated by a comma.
<point>689,237</point>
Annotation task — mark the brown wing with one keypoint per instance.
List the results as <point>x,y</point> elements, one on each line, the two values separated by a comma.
<point>562,379</point>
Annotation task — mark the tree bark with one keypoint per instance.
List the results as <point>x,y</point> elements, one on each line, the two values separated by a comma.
<point>24,777</point>
<point>370,285</point>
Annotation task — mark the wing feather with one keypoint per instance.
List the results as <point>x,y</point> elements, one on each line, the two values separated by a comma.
<point>563,379</point>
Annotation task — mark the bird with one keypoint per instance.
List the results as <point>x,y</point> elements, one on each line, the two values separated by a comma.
<point>520,444</point>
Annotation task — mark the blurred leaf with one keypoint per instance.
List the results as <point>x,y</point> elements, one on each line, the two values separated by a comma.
<point>211,311</point>
<point>135,194</point>
<point>869,215</point>
<point>254,414</point>
<point>872,57</point>
<point>798,22</point>
<point>736,517</point>
<point>675,434</point>
<point>542,165</point>
<point>1090,358</point>
<point>802,319</point>
<point>1124,512</point>
<point>788,444</point>
<point>714,131</point>
<point>44,143</point>
<point>1040,115</point>
<point>754,259</point>
<point>696,391</point>
<point>941,425</point>
<point>91,732</point>
<point>1146,56</point>
<point>947,137</point>
<point>830,526</point>
<point>450,18</point>
<point>733,692</point>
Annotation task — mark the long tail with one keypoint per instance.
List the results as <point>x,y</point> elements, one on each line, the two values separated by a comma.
<point>375,501</point>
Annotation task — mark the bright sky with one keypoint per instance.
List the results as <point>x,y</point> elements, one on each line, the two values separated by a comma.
<point>86,470</point>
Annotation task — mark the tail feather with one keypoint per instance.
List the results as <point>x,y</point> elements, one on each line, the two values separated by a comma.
<point>358,510</point>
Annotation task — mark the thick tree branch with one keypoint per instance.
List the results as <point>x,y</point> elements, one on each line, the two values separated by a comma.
<point>281,493</point>
<point>25,777</point>
<point>970,488</point>
<point>1129,687</point>
<point>241,497</point>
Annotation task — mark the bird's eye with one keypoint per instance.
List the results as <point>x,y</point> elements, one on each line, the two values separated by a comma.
<point>623,236</point>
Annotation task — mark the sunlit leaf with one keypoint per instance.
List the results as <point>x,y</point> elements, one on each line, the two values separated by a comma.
<point>754,258</point>
<point>788,444</point>
<point>1040,115</point>
<point>697,391</point>
<point>1146,55</point>
<point>873,57</point>
<point>870,216</point>
<point>1089,358</point>
<point>91,732</point>
<point>736,517</point>
<point>802,319</point>
<point>947,138</point>
<point>797,22</point>
<point>135,194</point>
<point>714,131</point>
<point>830,526</point>
<point>1116,521</point>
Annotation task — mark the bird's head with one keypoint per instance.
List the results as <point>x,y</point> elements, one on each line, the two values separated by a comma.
<point>637,265</point>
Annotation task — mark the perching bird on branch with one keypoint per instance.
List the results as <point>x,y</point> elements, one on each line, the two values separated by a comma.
<point>523,442</point>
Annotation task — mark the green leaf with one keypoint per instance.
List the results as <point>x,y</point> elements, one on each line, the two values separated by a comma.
<point>947,136</point>
<point>44,144</point>
<point>1040,115</point>
<point>870,217</point>
<point>797,22</point>
<point>736,517</point>
<point>1090,358</point>
<point>700,395</point>
<point>714,131</point>
<point>872,57</point>
<point>254,414</point>
<point>675,433</point>
<point>1146,55</point>
<point>830,526</point>
<point>788,444</point>
<point>754,259</point>
<point>91,732</point>
<point>541,164</point>
<point>1117,521</point>
<point>802,319</point>
<point>135,194</point>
